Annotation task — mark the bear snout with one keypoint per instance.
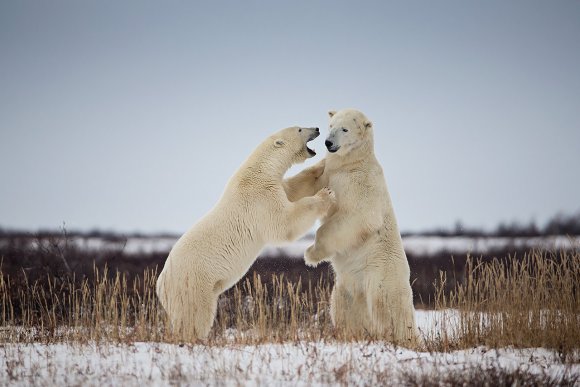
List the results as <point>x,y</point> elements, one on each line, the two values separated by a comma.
<point>330,146</point>
<point>315,133</point>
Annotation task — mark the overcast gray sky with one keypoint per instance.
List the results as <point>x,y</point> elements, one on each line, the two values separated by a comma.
<point>132,115</point>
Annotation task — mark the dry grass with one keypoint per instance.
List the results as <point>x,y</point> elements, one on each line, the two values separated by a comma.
<point>66,309</point>
<point>532,301</point>
<point>529,301</point>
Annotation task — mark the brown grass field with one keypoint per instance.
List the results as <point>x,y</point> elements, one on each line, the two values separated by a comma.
<point>532,301</point>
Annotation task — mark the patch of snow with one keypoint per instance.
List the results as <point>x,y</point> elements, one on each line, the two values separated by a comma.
<point>429,245</point>
<point>300,363</point>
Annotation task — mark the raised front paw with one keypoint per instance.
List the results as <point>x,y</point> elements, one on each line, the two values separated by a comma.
<point>327,195</point>
<point>312,257</point>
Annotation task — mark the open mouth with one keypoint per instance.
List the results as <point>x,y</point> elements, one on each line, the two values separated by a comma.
<point>311,152</point>
<point>333,150</point>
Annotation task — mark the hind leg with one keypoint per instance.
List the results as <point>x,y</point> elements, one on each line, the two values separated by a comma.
<point>204,315</point>
<point>347,310</point>
<point>393,315</point>
<point>193,315</point>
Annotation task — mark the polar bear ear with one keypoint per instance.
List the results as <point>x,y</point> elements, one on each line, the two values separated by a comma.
<point>331,113</point>
<point>368,124</point>
<point>279,143</point>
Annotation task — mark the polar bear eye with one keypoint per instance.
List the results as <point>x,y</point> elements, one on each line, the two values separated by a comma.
<point>300,129</point>
<point>344,130</point>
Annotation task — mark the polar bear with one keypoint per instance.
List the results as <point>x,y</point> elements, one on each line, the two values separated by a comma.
<point>359,235</point>
<point>253,211</point>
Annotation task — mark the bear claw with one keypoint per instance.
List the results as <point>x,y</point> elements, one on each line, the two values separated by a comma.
<point>327,195</point>
<point>327,192</point>
<point>309,258</point>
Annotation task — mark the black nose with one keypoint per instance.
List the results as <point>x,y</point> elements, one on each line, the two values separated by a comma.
<point>328,143</point>
<point>317,130</point>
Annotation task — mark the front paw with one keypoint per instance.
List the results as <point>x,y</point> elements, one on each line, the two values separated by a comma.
<point>328,197</point>
<point>312,257</point>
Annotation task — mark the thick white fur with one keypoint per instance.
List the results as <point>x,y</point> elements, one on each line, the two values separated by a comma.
<point>254,210</point>
<point>360,236</point>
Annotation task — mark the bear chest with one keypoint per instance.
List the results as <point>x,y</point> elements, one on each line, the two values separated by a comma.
<point>344,183</point>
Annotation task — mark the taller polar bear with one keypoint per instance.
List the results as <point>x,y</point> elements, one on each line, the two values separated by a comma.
<point>360,235</point>
<point>254,210</point>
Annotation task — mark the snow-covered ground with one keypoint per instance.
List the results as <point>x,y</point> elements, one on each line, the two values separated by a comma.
<point>271,364</point>
<point>417,245</point>
<point>292,364</point>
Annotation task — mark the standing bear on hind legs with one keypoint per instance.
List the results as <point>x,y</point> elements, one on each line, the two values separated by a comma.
<point>253,211</point>
<point>359,235</point>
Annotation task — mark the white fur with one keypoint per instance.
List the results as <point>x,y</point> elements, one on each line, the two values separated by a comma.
<point>253,211</point>
<point>360,236</point>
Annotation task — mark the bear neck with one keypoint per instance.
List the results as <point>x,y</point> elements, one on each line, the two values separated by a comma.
<point>264,166</point>
<point>359,154</point>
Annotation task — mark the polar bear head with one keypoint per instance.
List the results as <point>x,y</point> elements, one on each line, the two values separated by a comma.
<point>349,129</point>
<point>293,142</point>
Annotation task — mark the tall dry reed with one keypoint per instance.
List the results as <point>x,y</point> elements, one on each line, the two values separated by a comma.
<point>529,301</point>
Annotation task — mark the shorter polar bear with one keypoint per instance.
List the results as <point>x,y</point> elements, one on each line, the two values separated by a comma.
<point>359,235</point>
<point>253,211</point>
